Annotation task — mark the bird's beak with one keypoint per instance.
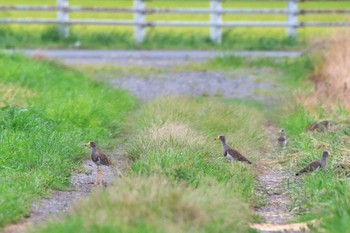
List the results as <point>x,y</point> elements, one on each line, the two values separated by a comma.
<point>217,138</point>
<point>87,144</point>
<point>329,153</point>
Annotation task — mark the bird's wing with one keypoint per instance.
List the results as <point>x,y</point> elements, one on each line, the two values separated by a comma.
<point>103,158</point>
<point>311,167</point>
<point>225,153</point>
<point>282,139</point>
<point>314,165</point>
<point>236,155</point>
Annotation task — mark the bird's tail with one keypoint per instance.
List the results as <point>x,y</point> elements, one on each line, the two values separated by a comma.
<point>301,171</point>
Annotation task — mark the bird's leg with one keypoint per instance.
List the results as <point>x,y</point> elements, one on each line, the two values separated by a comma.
<point>97,175</point>
<point>101,178</point>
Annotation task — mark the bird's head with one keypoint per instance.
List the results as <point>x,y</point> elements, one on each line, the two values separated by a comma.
<point>281,131</point>
<point>91,144</point>
<point>326,153</point>
<point>221,138</point>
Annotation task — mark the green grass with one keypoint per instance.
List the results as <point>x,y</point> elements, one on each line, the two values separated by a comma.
<point>120,37</point>
<point>324,194</point>
<point>55,110</point>
<point>176,162</point>
<point>112,39</point>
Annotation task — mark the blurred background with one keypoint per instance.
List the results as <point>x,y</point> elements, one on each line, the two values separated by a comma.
<point>254,24</point>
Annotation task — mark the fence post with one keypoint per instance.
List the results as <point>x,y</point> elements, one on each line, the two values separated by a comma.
<point>139,17</point>
<point>292,10</point>
<point>63,15</point>
<point>215,18</point>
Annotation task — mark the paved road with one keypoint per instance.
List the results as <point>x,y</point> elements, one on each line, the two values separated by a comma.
<point>143,57</point>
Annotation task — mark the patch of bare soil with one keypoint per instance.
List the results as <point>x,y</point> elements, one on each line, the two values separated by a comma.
<point>60,201</point>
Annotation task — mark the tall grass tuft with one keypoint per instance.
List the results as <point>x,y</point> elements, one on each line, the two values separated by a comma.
<point>155,204</point>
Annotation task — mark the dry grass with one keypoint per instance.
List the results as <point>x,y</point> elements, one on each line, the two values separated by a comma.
<point>332,74</point>
<point>178,132</point>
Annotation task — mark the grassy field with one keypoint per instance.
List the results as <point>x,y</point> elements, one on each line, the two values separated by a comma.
<point>102,36</point>
<point>178,180</point>
<point>47,112</point>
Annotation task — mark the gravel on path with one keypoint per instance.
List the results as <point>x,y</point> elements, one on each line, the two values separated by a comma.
<point>195,83</point>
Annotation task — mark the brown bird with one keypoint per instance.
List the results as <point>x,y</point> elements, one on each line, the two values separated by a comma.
<point>282,139</point>
<point>99,159</point>
<point>313,166</point>
<point>229,152</point>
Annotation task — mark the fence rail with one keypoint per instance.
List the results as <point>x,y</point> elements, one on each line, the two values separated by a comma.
<point>140,10</point>
<point>172,10</point>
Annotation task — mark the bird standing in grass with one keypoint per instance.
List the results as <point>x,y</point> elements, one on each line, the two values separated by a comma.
<point>313,166</point>
<point>229,152</point>
<point>99,159</point>
<point>282,139</point>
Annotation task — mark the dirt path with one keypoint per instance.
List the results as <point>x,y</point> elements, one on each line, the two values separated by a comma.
<point>274,181</point>
<point>60,201</point>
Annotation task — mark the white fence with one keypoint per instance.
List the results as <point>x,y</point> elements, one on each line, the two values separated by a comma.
<point>140,10</point>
